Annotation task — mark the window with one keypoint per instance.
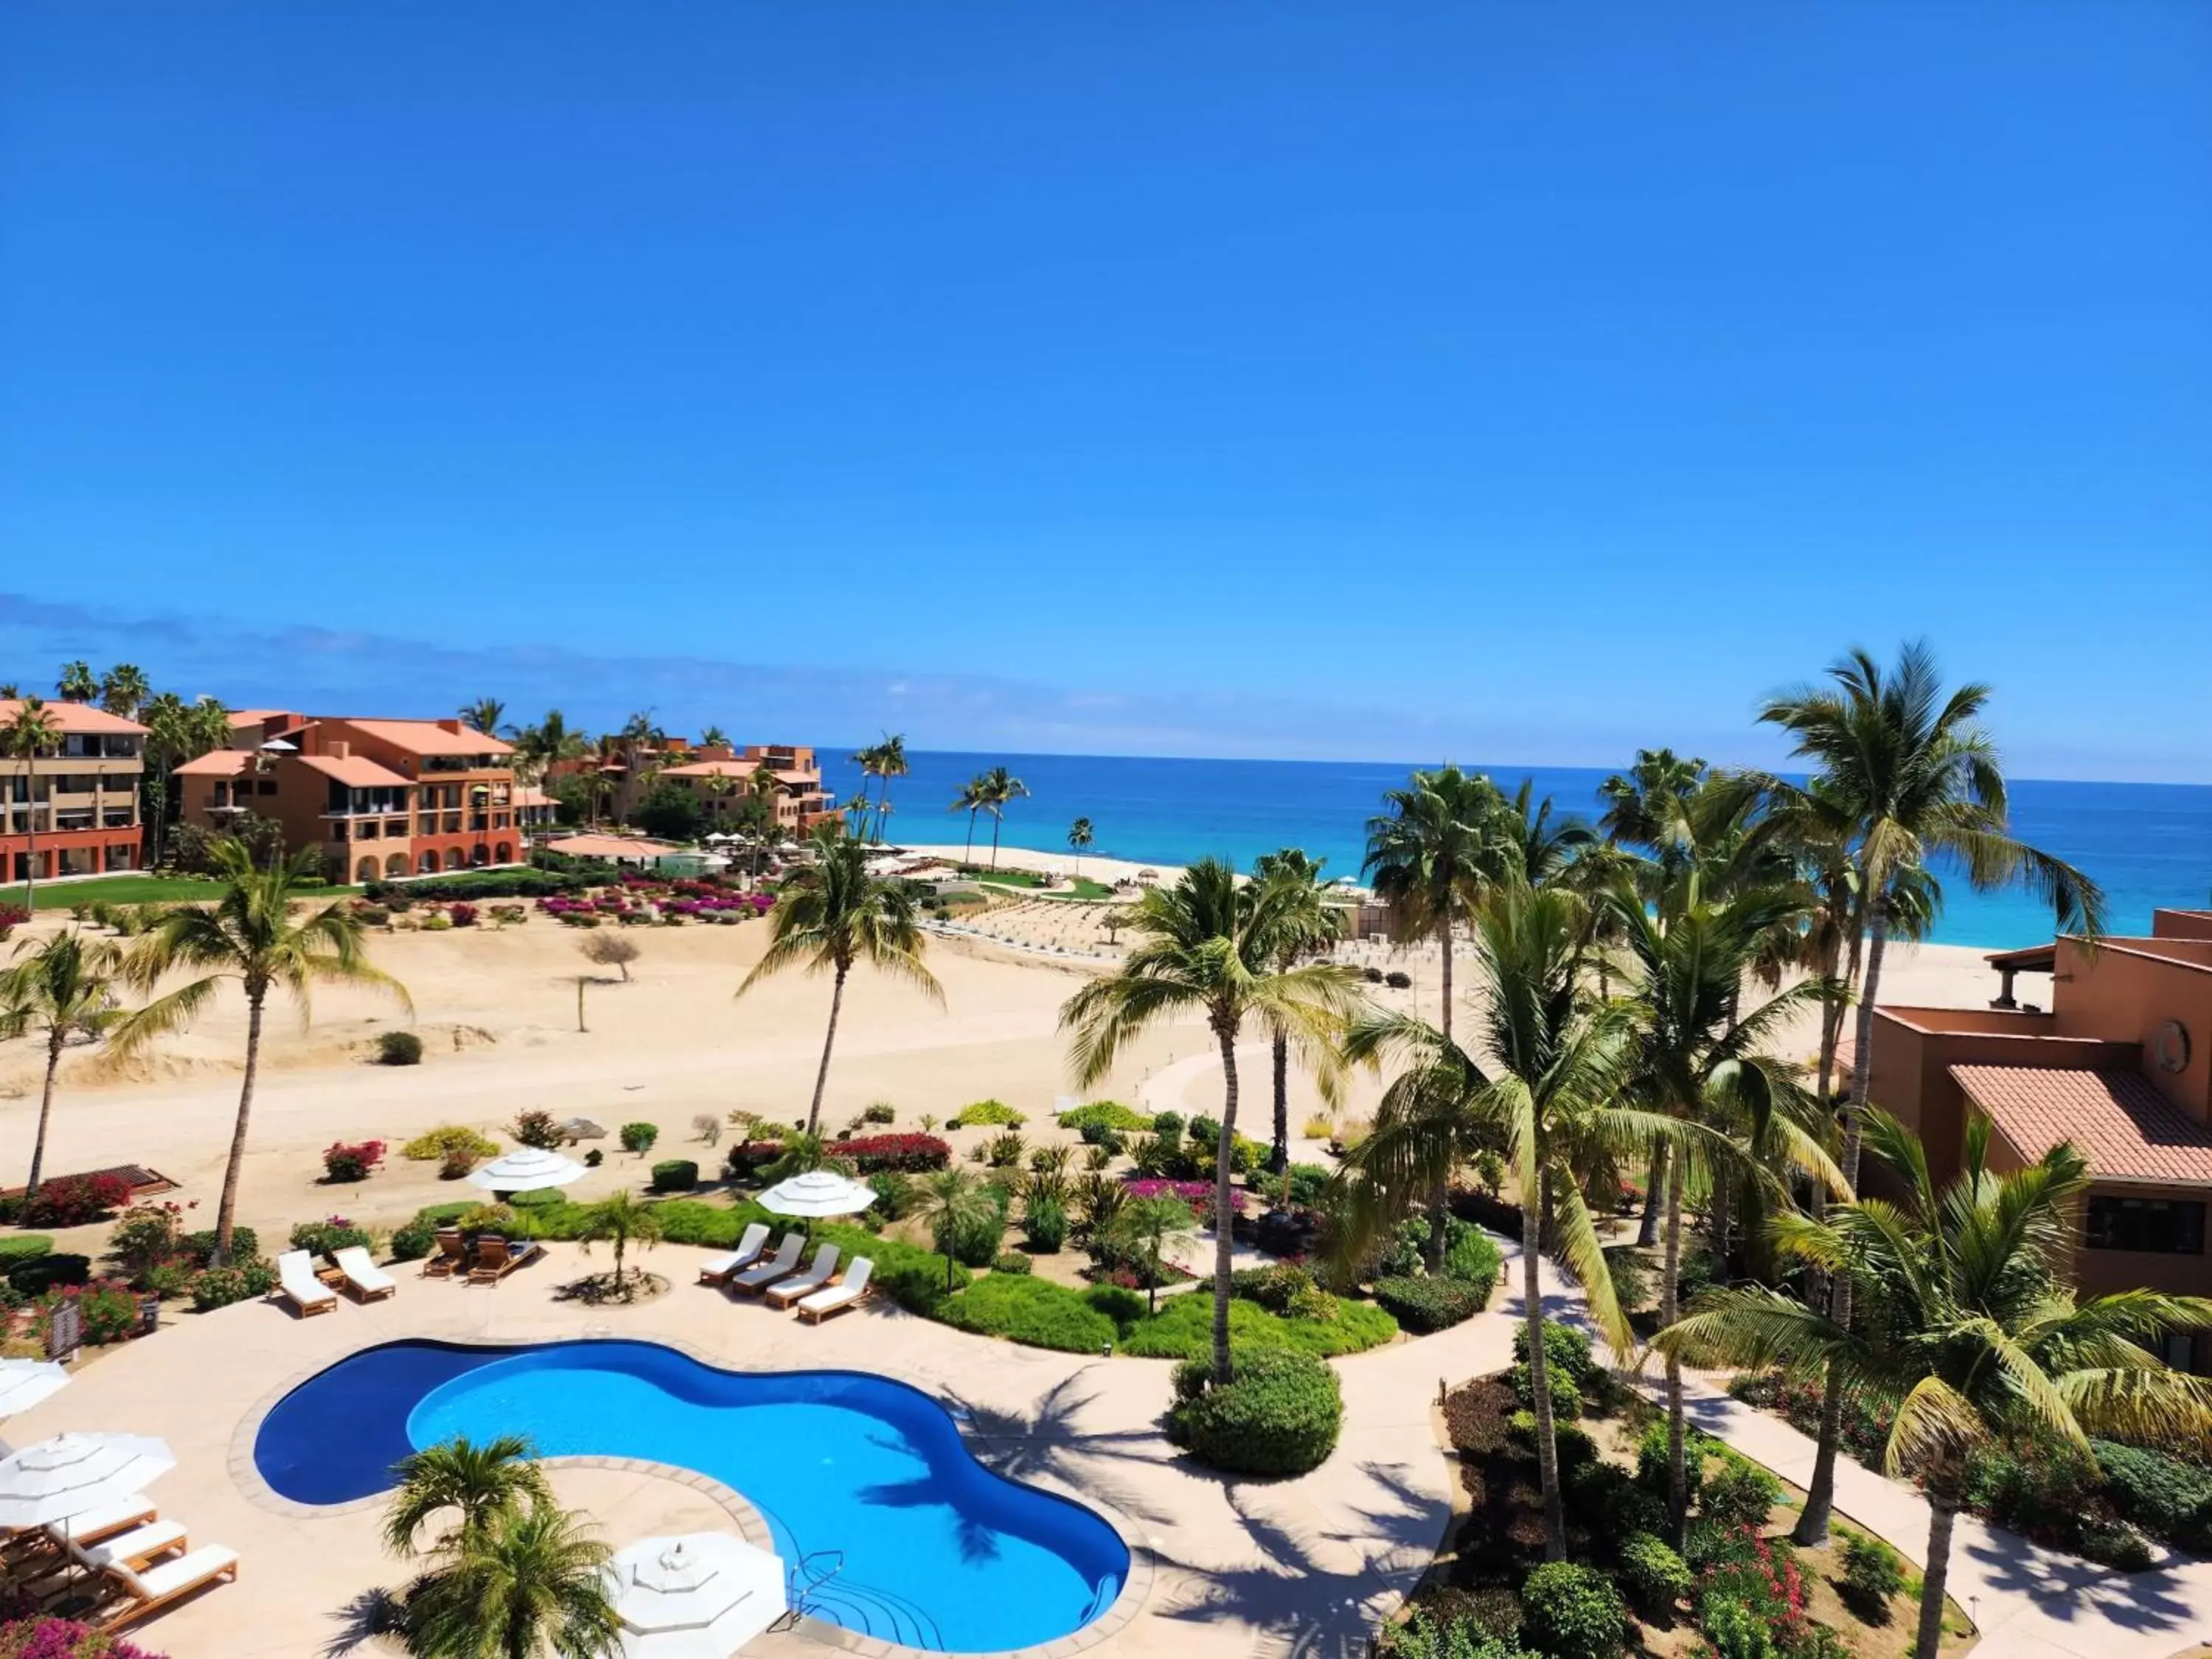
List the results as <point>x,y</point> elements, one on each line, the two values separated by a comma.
<point>264,785</point>
<point>2156,1226</point>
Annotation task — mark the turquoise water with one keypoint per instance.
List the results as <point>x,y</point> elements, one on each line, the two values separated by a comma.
<point>2147,844</point>
<point>859,1478</point>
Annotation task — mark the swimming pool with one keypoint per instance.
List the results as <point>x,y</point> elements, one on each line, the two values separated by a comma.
<point>937,1552</point>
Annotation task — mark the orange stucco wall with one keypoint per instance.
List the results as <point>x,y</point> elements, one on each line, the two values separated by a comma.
<point>2128,994</point>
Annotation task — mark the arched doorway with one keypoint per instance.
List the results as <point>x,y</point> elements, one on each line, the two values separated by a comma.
<point>503,854</point>
<point>396,866</point>
<point>428,864</point>
<point>453,858</point>
<point>478,856</point>
<point>364,871</point>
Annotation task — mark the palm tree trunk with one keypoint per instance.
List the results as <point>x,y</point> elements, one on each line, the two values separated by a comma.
<point>828,1040</point>
<point>1812,1527</point>
<point>1721,1221</point>
<point>31,867</point>
<point>227,1212</point>
<point>1942,1510</point>
<point>1670,1292</point>
<point>46,1111</point>
<point>996,821</point>
<point>1224,1218</point>
<point>1547,1445</point>
<point>970,857</point>
<point>1281,1155</point>
<point>1654,1198</point>
<point>1444,937</point>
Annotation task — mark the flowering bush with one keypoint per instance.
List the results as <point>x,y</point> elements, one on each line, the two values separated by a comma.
<point>910,1154</point>
<point>1199,1194</point>
<point>463,915</point>
<point>147,1237</point>
<point>536,1128</point>
<point>12,916</point>
<point>218,1287</point>
<point>72,1201</point>
<point>341,1162</point>
<point>329,1237</point>
<point>64,1638</point>
<point>747,1156</point>
<point>109,1310</point>
<point>1752,1599</point>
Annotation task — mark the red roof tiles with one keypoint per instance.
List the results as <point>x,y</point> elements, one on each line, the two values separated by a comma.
<point>2116,1119</point>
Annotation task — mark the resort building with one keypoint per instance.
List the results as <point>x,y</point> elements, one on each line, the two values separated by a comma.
<point>717,774</point>
<point>383,798</point>
<point>80,797</point>
<point>2118,1061</point>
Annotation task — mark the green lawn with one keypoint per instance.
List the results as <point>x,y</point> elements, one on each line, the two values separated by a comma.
<point>133,890</point>
<point>1009,878</point>
<point>1085,887</point>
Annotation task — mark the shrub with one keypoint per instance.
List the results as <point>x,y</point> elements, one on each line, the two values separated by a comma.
<point>1655,1576</point>
<point>1572,1612</point>
<point>1319,1126</point>
<point>343,1162</point>
<point>1566,1398</point>
<point>1044,1225</point>
<point>1738,1493</point>
<point>675,1174</point>
<point>72,1201</point>
<point>44,1638</point>
<point>639,1137</point>
<point>1110,1115</point>
<point>218,1287</point>
<point>1184,1326</point>
<point>1398,980</point>
<point>463,913</point>
<point>1631,1279</point>
<point>435,1145</point>
<point>1011,1261</point>
<point>1430,1304</point>
<point>43,1272</point>
<point>2166,1498</point>
<point>1606,1496</point>
<point>1033,1311</point>
<point>18,1248</point>
<point>399,1048</point>
<point>537,1129</point>
<point>987,1111</point>
<point>1005,1151</point>
<point>878,1111</point>
<point>480,884</point>
<point>1168,1127</point>
<point>1874,1574</point>
<point>706,1126</point>
<point>593,1158</point>
<point>107,1311</point>
<point>1279,1416</point>
<point>1651,1460</point>
<point>976,1245</point>
<point>1565,1349</point>
<point>328,1238</point>
<point>1475,1417</point>
<point>1473,1261</point>
<point>412,1242</point>
<point>910,1154</point>
<point>199,1247</point>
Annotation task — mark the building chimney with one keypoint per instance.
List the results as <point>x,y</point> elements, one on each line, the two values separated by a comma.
<point>339,750</point>
<point>451,725</point>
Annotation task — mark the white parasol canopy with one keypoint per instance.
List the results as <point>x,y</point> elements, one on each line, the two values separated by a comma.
<point>817,1193</point>
<point>25,1382</point>
<point>73,1473</point>
<point>528,1170</point>
<point>700,1596</point>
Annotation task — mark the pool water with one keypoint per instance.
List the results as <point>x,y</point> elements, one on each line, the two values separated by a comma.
<point>858,1477</point>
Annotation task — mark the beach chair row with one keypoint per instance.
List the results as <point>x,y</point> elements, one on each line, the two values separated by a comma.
<point>140,1563</point>
<point>817,1293</point>
<point>492,1257</point>
<point>310,1293</point>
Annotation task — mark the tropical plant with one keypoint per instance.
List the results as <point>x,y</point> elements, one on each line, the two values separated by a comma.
<point>487,715</point>
<point>124,690</point>
<point>250,934</point>
<point>77,682</point>
<point>972,799</point>
<point>1081,839</point>
<point>1910,776</point>
<point>1143,1229</point>
<point>58,987</point>
<point>29,732</point>
<point>952,1202</point>
<point>534,1581</point>
<point>1439,849</point>
<point>539,747</point>
<point>479,1481</point>
<point>1001,789</point>
<point>622,1219</point>
<point>1305,926</point>
<point>832,914</point>
<point>1969,1332</point>
<point>1208,945</point>
<point>802,1153</point>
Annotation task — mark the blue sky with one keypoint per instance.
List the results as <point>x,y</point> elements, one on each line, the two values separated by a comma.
<point>1369,380</point>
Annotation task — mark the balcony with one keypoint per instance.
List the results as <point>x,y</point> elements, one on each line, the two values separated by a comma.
<point>118,818</point>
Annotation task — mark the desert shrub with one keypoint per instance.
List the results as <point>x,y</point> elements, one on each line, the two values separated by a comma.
<point>1005,1151</point>
<point>1011,1261</point>
<point>1570,1611</point>
<point>1398,980</point>
<point>72,1201</point>
<point>41,1274</point>
<point>1428,1304</point>
<point>706,1126</point>
<point>462,914</point>
<point>1279,1416</point>
<point>1033,1311</point>
<point>327,1237</point>
<point>1738,1493</point>
<point>2165,1497</point>
<point>675,1174</point>
<point>218,1287</point>
<point>1874,1575</point>
<point>1184,1326</point>
<point>412,1240</point>
<point>1319,1126</point>
<point>1044,1225</point>
<point>198,1248</point>
<point>399,1048</point>
<point>639,1137</point>
<point>435,1145</point>
<point>537,1129</point>
<point>913,1154</point>
<point>1657,1578</point>
<point>1110,1115</point>
<point>987,1111</point>
<point>878,1111</point>
<point>347,1162</point>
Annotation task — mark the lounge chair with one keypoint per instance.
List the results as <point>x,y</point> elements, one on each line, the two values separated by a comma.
<point>841,1295</point>
<point>497,1258</point>
<point>777,1267</point>
<point>297,1284</point>
<point>368,1281</point>
<point>136,1547</point>
<point>453,1254</point>
<point>805,1283</point>
<point>155,1589</point>
<point>719,1269</point>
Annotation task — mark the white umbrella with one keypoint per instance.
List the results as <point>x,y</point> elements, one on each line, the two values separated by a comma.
<point>73,1473</point>
<point>817,1193</point>
<point>528,1170</point>
<point>25,1382</point>
<point>700,1596</point>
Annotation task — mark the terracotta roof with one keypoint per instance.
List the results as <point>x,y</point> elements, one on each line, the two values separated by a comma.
<point>217,763</point>
<point>609,847</point>
<point>259,716</point>
<point>2120,1122</point>
<point>527,795</point>
<point>354,771</point>
<point>78,717</point>
<point>426,737</point>
<point>715,769</point>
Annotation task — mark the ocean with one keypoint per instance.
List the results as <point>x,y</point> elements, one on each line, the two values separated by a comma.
<point>2145,844</point>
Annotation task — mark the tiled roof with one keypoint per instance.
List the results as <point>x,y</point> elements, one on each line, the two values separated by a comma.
<point>426,737</point>
<point>354,771</point>
<point>78,717</point>
<point>216,764</point>
<point>609,847</point>
<point>2116,1119</point>
<point>527,795</point>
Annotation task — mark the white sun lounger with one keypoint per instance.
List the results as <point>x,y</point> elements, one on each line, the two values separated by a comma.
<point>297,1284</point>
<point>825,1265</point>
<point>838,1297</point>
<point>718,1269</point>
<point>150,1591</point>
<point>368,1281</point>
<point>134,1547</point>
<point>91,1526</point>
<point>779,1267</point>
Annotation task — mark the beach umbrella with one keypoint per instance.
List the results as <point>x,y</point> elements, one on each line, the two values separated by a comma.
<point>25,1382</point>
<point>700,1596</point>
<point>529,1169</point>
<point>817,1193</point>
<point>73,1473</point>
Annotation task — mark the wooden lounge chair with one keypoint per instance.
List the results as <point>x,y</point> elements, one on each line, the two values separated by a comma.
<point>847,1293</point>
<point>782,1295</point>
<point>366,1281</point>
<point>718,1269</point>
<point>297,1284</point>
<point>155,1589</point>
<point>136,1547</point>
<point>22,1545</point>
<point>497,1258</point>
<point>756,1279</point>
<point>453,1254</point>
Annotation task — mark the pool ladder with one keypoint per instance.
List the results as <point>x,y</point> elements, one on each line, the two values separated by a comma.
<point>852,1606</point>
<point>796,1594</point>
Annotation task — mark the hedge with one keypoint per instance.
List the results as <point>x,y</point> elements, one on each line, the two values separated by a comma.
<point>1107,1114</point>
<point>1279,1416</point>
<point>22,1247</point>
<point>1424,1304</point>
<point>1183,1328</point>
<point>911,1276</point>
<point>1573,1612</point>
<point>675,1174</point>
<point>909,1154</point>
<point>2165,1497</point>
<point>41,1274</point>
<point>1034,1312</point>
<point>485,885</point>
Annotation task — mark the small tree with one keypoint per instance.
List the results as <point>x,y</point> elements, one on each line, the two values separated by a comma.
<point>608,951</point>
<point>63,985</point>
<point>622,1220</point>
<point>952,1200</point>
<point>480,1483</point>
<point>1143,1229</point>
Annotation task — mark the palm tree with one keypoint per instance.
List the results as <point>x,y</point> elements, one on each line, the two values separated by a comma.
<point>10,689</point>
<point>551,739</point>
<point>868,760</point>
<point>1208,945</point>
<point>891,762</point>
<point>479,1482</point>
<point>486,715</point>
<point>64,986</point>
<point>1306,927</point>
<point>1080,838</point>
<point>1435,854</point>
<point>1911,775</point>
<point>714,738</point>
<point>124,690</point>
<point>1648,807</point>
<point>1000,790</point>
<point>31,732</point>
<point>1544,846</point>
<point>802,1154</point>
<point>831,915</point>
<point>973,799</point>
<point>249,934</point>
<point>1145,1227</point>
<point>76,683</point>
<point>534,1581</point>
<point>1978,1340</point>
<point>623,1219</point>
<point>951,1202</point>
